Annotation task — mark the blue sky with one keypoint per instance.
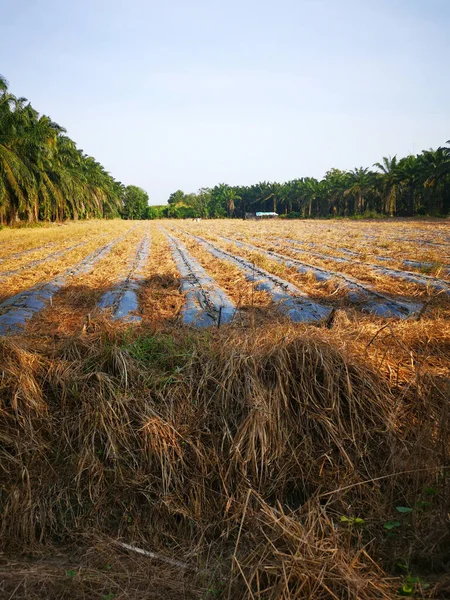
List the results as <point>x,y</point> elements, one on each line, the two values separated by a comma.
<point>184,94</point>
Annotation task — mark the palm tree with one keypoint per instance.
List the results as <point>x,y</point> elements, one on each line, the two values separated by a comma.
<point>269,191</point>
<point>228,196</point>
<point>16,178</point>
<point>433,168</point>
<point>409,169</point>
<point>444,155</point>
<point>231,198</point>
<point>390,183</point>
<point>310,191</point>
<point>42,173</point>
<point>334,185</point>
<point>360,185</point>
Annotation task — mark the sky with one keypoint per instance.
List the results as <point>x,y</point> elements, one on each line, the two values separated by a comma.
<point>184,94</point>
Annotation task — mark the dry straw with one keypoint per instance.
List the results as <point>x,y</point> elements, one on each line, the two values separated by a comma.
<point>259,461</point>
<point>234,454</point>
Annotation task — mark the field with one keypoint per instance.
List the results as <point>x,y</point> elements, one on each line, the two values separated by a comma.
<point>262,407</point>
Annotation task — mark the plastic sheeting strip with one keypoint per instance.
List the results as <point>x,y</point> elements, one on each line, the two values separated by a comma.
<point>415,264</point>
<point>122,298</point>
<point>25,252</point>
<point>369,299</point>
<point>289,300</point>
<point>17,310</point>
<point>206,304</point>
<point>426,280</point>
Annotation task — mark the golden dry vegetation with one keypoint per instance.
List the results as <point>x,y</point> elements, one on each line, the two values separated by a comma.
<point>262,459</point>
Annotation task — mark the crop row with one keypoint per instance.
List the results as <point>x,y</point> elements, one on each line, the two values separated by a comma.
<point>439,285</point>
<point>18,309</point>
<point>206,303</point>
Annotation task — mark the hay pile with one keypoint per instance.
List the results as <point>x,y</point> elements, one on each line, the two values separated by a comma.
<point>242,461</point>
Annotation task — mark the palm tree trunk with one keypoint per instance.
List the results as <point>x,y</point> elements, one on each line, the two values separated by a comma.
<point>411,201</point>
<point>13,216</point>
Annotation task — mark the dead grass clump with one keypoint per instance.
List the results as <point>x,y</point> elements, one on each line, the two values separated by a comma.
<point>295,400</point>
<point>305,556</point>
<point>19,389</point>
<point>235,453</point>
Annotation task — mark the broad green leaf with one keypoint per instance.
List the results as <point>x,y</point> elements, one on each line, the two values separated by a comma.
<point>391,524</point>
<point>404,509</point>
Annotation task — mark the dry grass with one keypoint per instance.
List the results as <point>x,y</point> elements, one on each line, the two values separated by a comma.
<point>72,307</point>
<point>234,451</point>
<point>332,291</point>
<point>13,240</point>
<point>254,305</point>
<point>46,271</point>
<point>102,572</point>
<point>385,238</point>
<point>159,296</point>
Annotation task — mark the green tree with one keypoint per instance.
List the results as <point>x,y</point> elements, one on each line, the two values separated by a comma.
<point>434,169</point>
<point>409,173</point>
<point>390,183</point>
<point>228,197</point>
<point>135,204</point>
<point>360,184</point>
<point>42,173</point>
<point>176,197</point>
<point>201,202</point>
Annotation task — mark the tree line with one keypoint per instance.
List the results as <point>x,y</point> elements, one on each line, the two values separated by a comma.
<point>45,177</point>
<point>414,185</point>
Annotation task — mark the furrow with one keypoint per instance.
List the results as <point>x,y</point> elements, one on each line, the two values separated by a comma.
<point>206,304</point>
<point>426,280</point>
<point>122,298</point>
<point>368,299</point>
<point>418,242</point>
<point>423,242</point>
<point>17,310</point>
<point>25,252</point>
<point>415,264</point>
<point>289,300</point>
<point>40,261</point>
